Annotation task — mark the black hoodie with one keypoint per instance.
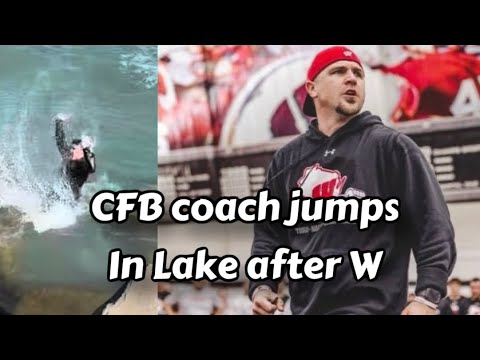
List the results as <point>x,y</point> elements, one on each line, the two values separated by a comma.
<point>364,158</point>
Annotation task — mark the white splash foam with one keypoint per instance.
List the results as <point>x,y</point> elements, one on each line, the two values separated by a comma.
<point>44,200</point>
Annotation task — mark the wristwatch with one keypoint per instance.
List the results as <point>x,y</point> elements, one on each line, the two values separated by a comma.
<point>430,295</point>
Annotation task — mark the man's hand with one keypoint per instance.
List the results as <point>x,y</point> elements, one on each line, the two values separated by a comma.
<point>266,302</point>
<point>416,308</point>
<point>62,117</point>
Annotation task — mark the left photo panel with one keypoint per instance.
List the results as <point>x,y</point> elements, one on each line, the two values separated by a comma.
<point>74,121</point>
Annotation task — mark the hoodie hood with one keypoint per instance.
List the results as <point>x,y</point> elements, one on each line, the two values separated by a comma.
<point>355,124</point>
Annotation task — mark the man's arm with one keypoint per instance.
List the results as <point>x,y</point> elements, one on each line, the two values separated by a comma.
<point>90,156</point>
<point>425,211</point>
<point>267,237</point>
<point>60,138</point>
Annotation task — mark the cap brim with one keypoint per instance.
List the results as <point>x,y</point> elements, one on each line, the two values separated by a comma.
<point>309,107</point>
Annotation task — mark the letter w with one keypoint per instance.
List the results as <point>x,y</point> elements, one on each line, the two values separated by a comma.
<point>360,266</point>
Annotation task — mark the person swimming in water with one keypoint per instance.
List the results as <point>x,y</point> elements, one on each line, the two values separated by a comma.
<point>78,160</point>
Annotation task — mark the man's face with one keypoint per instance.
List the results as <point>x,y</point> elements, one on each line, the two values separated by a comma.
<point>475,289</point>
<point>340,87</point>
<point>76,148</point>
<point>454,288</point>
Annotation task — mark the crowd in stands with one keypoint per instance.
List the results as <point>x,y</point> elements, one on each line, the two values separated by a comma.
<point>461,300</point>
<point>205,298</point>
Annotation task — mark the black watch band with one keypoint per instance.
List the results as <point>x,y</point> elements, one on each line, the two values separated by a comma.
<point>430,295</point>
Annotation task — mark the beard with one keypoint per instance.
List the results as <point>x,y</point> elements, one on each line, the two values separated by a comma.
<point>349,109</point>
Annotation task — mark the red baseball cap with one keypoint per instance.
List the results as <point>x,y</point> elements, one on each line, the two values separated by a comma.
<point>323,59</point>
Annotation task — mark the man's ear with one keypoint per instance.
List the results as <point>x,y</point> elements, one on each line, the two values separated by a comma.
<point>310,87</point>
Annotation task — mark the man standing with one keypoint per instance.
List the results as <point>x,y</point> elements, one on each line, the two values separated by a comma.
<point>454,303</point>
<point>346,152</point>
<point>78,161</point>
<point>474,301</point>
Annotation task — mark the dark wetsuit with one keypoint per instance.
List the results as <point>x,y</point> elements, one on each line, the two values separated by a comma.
<point>76,172</point>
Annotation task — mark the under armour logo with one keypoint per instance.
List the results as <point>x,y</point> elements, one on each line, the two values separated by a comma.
<point>331,152</point>
<point>347,53</point>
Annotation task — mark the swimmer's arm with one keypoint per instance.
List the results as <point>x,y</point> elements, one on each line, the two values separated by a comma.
<point>60,138</point>
<point>91,160</point>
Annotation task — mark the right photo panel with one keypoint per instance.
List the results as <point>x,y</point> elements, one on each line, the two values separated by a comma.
<point>319,180</point>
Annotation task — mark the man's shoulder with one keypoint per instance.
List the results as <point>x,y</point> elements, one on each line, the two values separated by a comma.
<point>292,146</point>
<point>384,132</point>
<point>392,138</point>
<point>464,300</point>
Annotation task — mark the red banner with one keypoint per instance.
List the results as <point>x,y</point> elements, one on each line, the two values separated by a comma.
<point>225,109</point>
<point>235,95</point>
